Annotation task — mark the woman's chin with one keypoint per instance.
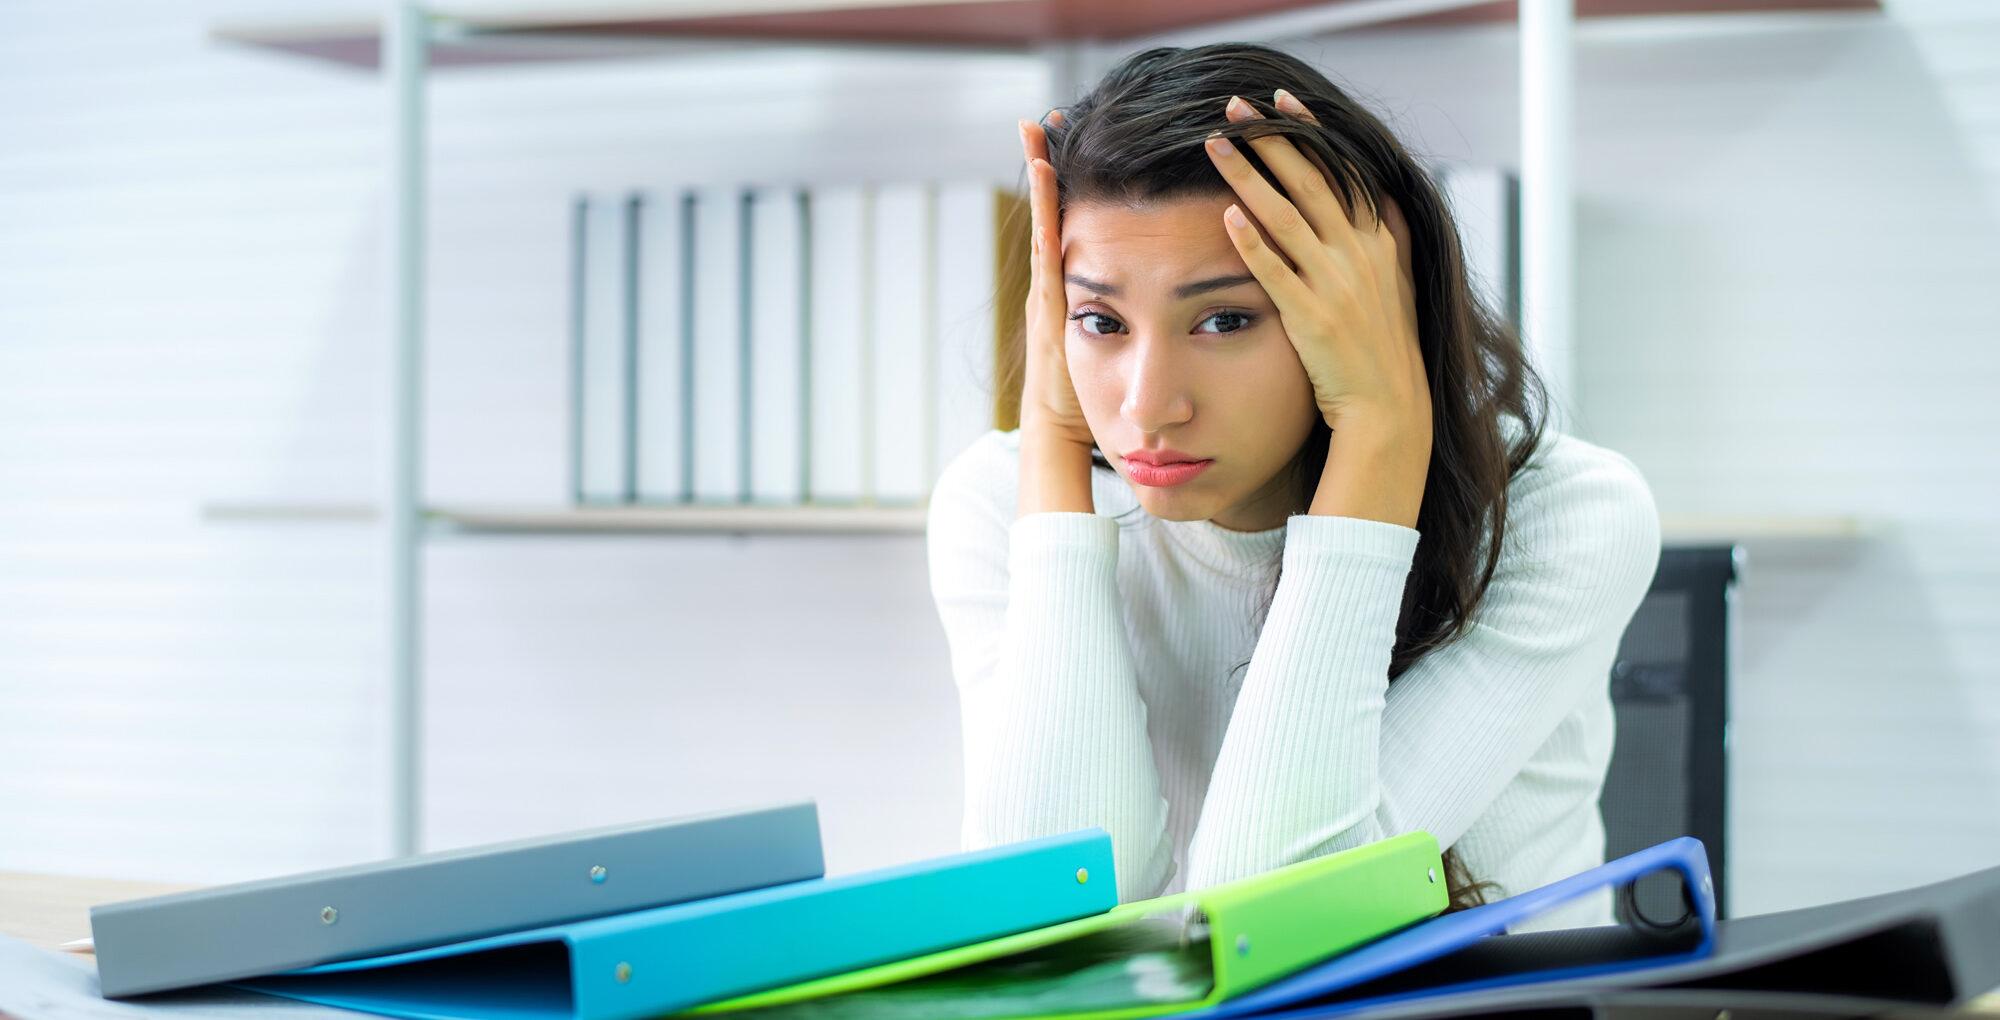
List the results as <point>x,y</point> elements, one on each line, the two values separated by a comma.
<point>1175,503</point>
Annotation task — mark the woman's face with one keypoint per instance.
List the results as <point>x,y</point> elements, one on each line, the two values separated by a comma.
<point>1173,344</point>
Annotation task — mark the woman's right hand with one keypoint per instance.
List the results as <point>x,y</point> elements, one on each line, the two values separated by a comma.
<point>1048,398</point>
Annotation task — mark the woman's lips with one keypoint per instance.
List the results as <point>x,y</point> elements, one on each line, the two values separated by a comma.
<point>1165,474</point>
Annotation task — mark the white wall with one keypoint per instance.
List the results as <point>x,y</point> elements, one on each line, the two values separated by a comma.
<point>191,310</point>
<point>1785,308</point>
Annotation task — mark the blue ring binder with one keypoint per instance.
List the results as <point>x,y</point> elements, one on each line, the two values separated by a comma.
<point>1441,935</point>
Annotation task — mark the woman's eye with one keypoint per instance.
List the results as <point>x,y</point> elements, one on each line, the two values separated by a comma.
<point>1232,321</point>
<point>1087,318</point>
<point>1100,324</point>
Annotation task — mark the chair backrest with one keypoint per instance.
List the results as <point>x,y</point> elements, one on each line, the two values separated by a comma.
<point>1669,689</point>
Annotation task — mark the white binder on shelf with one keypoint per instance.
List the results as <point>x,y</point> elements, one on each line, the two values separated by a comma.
<point>600,353</point>
<point>968,244</point>
<point>903,296</point>
<point>778,256</point>
<point>837,384</point>
<point>664,349</point>
<point>719,439</point>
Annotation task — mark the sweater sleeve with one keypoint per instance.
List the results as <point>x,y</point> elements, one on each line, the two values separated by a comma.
<point>1054,727</point>
<point>1322,753</point>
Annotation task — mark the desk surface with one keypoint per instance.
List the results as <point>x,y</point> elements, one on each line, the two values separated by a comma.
<point>49,910</point>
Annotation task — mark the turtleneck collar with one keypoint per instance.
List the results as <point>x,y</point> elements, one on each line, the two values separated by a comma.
<point>1249,554</point>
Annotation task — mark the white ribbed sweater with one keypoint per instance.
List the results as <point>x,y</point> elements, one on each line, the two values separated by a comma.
<point>1094,655</point>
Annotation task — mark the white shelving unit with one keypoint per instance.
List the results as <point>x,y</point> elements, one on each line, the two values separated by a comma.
<point>409,39</point>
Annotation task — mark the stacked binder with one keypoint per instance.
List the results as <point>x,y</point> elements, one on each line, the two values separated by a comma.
<point>732,915</point>
<point>278,924</point>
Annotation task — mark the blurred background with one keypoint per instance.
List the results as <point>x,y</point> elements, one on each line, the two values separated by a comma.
<point>1781,304</point>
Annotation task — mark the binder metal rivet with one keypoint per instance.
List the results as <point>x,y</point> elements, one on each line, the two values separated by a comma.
<point>597,873</point>
<point>328,915</point>
<point>1082,875</point>
<point>1432,874</point>
<point>624,972</point>
<point>1243,945</point>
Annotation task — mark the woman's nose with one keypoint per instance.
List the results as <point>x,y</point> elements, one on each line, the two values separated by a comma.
<point>1155,397</point>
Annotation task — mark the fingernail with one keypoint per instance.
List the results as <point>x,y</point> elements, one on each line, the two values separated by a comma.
<point>1235,217</point>
<point>1239,109</point>
<point>1220,146</point>
<point>1286,101</point>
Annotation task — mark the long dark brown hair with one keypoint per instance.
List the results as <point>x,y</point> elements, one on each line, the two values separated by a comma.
<point>1136,137</point>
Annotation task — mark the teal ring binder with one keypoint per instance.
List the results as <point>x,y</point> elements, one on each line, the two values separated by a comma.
<point>658,961</point>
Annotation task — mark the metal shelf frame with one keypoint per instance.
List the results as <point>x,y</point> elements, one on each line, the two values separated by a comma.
<point>408,32</point>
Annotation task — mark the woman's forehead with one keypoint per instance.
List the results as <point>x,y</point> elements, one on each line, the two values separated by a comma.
<point>1159,243</point>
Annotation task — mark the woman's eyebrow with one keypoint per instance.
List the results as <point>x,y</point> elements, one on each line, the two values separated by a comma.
<point>1185,290</point>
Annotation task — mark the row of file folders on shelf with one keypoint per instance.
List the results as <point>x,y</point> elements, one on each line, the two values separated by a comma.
<point>782,345</point>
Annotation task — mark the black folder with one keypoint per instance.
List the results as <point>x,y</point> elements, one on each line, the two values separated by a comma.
<point>1912,953</point>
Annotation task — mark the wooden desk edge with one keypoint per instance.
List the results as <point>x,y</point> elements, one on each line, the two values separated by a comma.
<point>48,910</point>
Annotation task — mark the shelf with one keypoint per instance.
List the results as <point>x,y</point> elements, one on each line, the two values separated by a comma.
<point>471,32</point>
<point>655,519</point>
<point>594,519</point>
<point>474,32</point>
<point>277,512</point>
<point>1697,529</point>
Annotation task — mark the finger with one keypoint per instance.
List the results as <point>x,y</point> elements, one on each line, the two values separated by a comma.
<point>1046,246</point>
<point>1266,264</point>
<point>1034,141</point>
<point>1287,226</point>
<point>1391,220</point>
<point>1035,137</point>
<point>1311,191</point>
<point>1290,105</point>
<point>1041,207</point>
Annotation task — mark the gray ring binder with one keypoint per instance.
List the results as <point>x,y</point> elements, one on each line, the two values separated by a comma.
<point>262,927</point>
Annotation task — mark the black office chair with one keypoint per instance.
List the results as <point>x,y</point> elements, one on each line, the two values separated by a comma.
<point>1669,690</point>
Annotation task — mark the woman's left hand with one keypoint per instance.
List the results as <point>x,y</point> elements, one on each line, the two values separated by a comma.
<point>1341,282</point>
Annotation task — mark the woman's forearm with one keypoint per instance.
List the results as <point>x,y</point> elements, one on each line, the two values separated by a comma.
<point>1298,773</point>
<point>1056,736</point>
<point>1055,473</point>
<point>1058,732</point>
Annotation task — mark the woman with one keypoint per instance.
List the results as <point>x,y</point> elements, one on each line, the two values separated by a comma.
<point>1230,589</point>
